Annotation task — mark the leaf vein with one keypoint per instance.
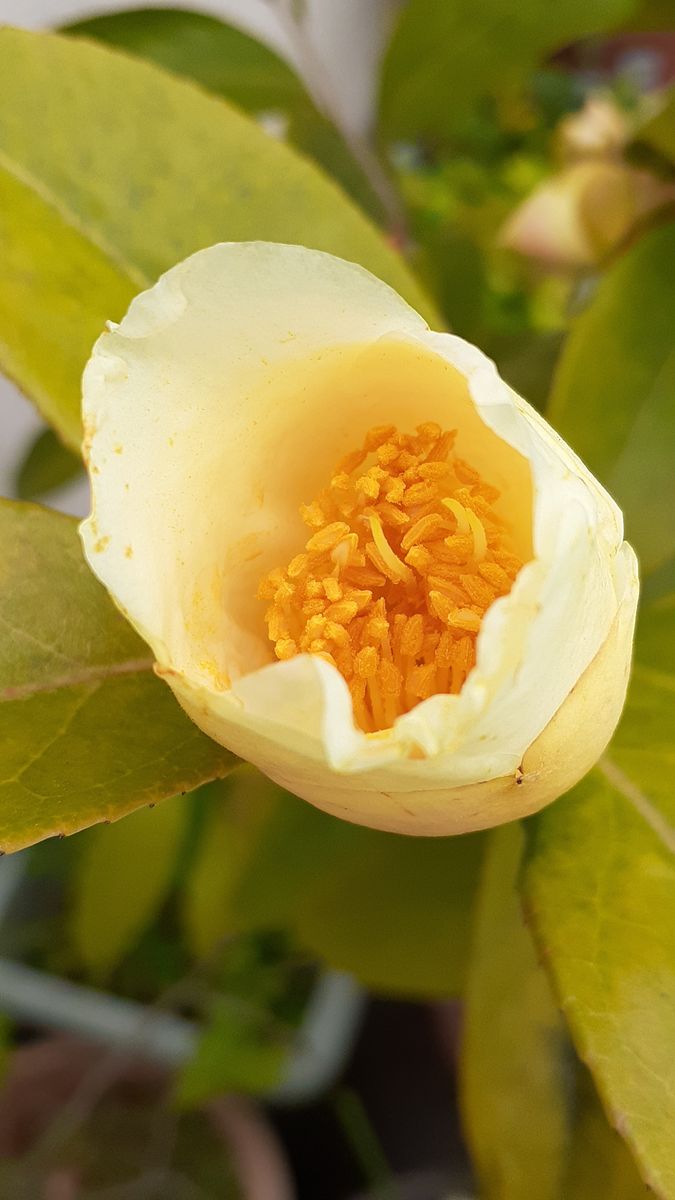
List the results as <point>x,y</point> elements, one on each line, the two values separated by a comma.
<point>640,802</point>
<point>97,673</point>
<point>133,273</point>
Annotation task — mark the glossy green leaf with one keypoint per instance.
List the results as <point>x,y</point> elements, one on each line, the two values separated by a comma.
<point>47,465</point>
<point>393,910</point>
<point>517,1068</point>
<point>600,884</point>
<point>614,392</point>
<point>228,62</point>
<point>444,56</point>
<point>122,879</point>
<point>88,733</point>
<point>111,170</point>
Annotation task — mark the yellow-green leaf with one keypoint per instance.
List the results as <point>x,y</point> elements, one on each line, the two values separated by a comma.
<point>122,878</point>
<point>600,885</point>
<point>531,1113</point>
<point>614,391</point>
<point>600,1166</point>
<point>516,1063</point>
<point>111,170</point>
<point>88,733</point>
<point>225,60</point>
<point>237,810</point>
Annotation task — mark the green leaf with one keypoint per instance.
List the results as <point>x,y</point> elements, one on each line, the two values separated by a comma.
<point>614,391</point>
<point>47,465</point>
<point>444,56</point>
<point>228,838</point>
<point>600,885</point>
<point>88,732</point>
<point>395,910</point>
<point>122,879</point>
<point>111,170</point>
<point>228,62</point>
<point>531,1114</point>
<point>516,1062</point>
<point>600,1166</point>
<point>222,58</point>
<point>392,910</point>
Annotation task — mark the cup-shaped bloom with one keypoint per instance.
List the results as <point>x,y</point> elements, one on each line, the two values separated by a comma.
<point>362,562</point>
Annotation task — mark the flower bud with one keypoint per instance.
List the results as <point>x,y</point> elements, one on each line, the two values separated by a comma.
<point>574,219</point>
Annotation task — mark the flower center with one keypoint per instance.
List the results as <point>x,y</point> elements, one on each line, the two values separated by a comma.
<point>406,556</point>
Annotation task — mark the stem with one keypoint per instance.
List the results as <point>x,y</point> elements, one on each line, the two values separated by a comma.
<point>321,88</point>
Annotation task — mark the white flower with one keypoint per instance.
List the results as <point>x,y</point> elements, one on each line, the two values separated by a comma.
<point>221,405</point>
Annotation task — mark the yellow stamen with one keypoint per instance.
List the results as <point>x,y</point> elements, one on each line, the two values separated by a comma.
<point>396,612</point>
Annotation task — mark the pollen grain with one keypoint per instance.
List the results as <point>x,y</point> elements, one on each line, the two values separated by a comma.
<point>405,556</point>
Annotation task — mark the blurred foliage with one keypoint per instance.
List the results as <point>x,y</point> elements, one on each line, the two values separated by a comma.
<point>268,860</point>
<point>130,1144</point>
<point>243,1049</point>
<point>458,200</point>
<point>47,465</point>
<point>124,874</point>
<point>445,57</point>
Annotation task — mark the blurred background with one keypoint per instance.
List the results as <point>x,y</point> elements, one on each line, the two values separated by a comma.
<point>187,1010</point>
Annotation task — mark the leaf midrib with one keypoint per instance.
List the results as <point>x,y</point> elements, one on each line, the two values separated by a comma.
<point>51,200</point>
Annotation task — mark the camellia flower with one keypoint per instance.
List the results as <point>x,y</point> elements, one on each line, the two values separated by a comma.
<point>362,562</point>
